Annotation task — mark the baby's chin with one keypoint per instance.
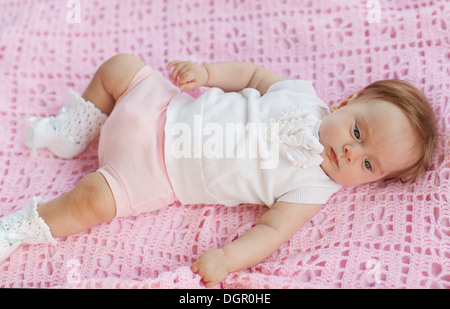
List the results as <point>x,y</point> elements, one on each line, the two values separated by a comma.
<point>328,171</point>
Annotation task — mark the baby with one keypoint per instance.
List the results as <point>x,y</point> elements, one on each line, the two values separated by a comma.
<point>254,137</point>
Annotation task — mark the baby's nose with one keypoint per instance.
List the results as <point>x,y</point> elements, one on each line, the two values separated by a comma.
<point>351,153</point>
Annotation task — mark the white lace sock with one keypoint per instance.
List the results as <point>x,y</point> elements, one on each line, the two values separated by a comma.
<point>69,133</point>
<point>23,227</point>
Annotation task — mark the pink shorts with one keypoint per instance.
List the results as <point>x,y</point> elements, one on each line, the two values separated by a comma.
<point>131,148</point>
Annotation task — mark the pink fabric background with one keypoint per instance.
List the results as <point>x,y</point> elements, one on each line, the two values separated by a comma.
<point>364,237</point>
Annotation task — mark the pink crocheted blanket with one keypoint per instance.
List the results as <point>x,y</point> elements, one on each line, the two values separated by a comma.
<point>364,237</point>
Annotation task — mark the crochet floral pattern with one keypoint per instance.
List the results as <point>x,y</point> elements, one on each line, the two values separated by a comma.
<point>370,236</point>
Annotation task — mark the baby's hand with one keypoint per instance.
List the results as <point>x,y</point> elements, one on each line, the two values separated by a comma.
<point>212,267</point>
<point>189,74</point>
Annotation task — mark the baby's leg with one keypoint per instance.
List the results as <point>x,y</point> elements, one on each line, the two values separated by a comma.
<point>88,204</point>
<point>111,80</point>
<point>80,121</point>
<point>91,201</point>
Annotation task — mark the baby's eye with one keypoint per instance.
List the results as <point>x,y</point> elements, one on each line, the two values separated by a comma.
<point>368,165</point>
<point>356,133</point>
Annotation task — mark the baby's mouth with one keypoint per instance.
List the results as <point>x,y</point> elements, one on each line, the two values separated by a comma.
<point>334,157</point>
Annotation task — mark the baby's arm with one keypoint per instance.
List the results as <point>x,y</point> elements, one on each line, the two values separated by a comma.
<point>274,228</point>
<point>229,76</point>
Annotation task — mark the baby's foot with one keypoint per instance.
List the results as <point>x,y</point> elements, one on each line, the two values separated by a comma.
<point>23,227</point>
<point>69,133</point>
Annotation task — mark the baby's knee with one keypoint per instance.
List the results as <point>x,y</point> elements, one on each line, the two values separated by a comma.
<point>94,198</point>
<point>118,72</point>
<point>121,63</point>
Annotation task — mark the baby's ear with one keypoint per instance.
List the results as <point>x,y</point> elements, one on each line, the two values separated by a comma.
<point>343,103</point>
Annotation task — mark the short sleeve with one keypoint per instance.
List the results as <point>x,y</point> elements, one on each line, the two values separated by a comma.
<point>310,195</point>
<point>293,85</point>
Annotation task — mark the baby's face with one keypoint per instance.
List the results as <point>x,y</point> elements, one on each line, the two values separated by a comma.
<point>366,141</point>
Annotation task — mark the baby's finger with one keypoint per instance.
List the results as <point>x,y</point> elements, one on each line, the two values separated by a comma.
<point>210,284</point>
<point>189,85</point>
<point>175,72</point>
<point>173,63</point>
<point>210,281</point>
<point>194,268</point>
<point>185,76</point>
<point>178,65</point>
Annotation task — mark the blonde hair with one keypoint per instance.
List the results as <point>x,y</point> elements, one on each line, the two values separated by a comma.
<point>418,110</point>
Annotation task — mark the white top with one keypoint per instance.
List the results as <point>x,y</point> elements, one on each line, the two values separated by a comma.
<point>241,147</point>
